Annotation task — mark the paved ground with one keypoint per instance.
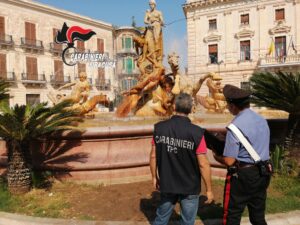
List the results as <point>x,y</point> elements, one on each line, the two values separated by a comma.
<point>291,218</point>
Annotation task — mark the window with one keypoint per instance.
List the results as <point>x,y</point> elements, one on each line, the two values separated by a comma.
<point>30,33</point>
<point>80,46</point>
<point>245,19</point>
<point>81,68</point>
<point>212,24</point>
<point>31,66</point>
<point>245,85</point>
<point>58,70</point>
<point>279,14</point>
<point>100,49</point>
<point>128,65</point>
<point>2,28</point>
<point>55,45</point>
<point>126,42</point>
<point>2,66</point>
<point>100,45</point>
<point>213,53</point>
<point>128,83</point>
<point>280,46</point>
<point>32,99</point>
<point>245,50</point>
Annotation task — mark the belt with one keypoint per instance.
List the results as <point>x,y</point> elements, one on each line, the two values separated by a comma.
<point>245,165</point>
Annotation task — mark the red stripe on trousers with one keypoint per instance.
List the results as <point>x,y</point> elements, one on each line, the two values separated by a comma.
<point>226,198</point>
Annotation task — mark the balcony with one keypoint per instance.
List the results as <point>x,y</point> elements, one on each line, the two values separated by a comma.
<point>57,81</point>
<point>55,48</point>
<point>33,79</point>
<point>269,62</point>
<point>127,51</point>
<point>103,85</point>
<point>8,77</point>
<point>6,40</point>
<point>33,45</point>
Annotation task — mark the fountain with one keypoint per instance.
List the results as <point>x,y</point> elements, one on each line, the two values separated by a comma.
<point>115,148</point>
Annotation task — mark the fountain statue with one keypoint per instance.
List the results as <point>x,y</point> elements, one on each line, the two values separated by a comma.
<point>154,93</point>
<point>215,102</point>
<point>80,96</point>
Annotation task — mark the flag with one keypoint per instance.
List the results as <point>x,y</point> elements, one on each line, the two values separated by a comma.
<point>271,48</point>
<point>293,47</point>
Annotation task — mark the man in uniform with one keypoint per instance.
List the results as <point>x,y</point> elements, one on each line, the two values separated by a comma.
<point>246,181</point>
<point>177,159</point>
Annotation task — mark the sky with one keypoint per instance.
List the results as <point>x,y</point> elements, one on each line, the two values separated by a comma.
<point>120,13</point>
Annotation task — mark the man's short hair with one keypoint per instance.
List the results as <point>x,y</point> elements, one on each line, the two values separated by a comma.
<point>183,103</point>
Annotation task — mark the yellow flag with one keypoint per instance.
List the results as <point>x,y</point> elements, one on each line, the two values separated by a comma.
<point>271,48</point>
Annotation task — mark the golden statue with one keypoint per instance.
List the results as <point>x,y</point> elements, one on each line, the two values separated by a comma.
<point>215,101</point>
<point>79,95</point>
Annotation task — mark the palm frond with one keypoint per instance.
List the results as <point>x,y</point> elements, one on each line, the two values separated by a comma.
<point>279,90</point>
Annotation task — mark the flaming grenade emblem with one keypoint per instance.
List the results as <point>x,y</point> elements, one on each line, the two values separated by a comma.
<point>69,35</point>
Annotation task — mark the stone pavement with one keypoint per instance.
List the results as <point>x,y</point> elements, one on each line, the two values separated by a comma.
<point>290,218</point>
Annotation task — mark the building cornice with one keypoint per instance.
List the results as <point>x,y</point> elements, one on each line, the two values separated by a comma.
<point>245,33</point>
<point>280,28</point>
<point>58,12</point>
<point>212,38</point>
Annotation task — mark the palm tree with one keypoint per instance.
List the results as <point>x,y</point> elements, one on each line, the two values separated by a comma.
<point>21,124</point>
<point>281,91</point>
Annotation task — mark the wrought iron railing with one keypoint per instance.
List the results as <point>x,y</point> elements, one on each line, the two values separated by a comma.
<point>32,43</point>
<point>33,77</point>
<point>6,39</point>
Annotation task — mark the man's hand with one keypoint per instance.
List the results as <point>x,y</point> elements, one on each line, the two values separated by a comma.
<point>210,197</point>
<point>155,183</point>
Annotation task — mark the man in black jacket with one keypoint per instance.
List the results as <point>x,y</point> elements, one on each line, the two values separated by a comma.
<point>177,161</point>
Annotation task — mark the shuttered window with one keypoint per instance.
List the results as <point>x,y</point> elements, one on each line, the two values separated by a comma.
<point>80,46</point>
<point>279,14</point>
<point>32,99</point>
<point>245,50</point>
<point>30,33</point>
<point>100,45</point>
<point>55,45</point>
<point>31,66</point>
<point>58,70</point>
<point>245,19</point>
<point>213,53</point>
<point>2,66</point>
<point>2,26</point>
<point>101,71</point>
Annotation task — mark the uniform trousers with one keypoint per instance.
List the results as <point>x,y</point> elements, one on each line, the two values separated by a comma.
<point>245,188</point>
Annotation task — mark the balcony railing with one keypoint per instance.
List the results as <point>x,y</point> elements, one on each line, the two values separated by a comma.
<point>8,76</point>
<point>33,78</point>
<point>130,72</point>
<point>59,80</point>
<point>289,60</point>
<point>55,48</point>
<point>103,85</point>
<point>6,39</point>
<point>127,51</point>
<point>33,44</point>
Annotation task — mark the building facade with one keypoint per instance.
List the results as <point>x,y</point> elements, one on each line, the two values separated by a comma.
<point>126,69</point>
<point>30,59</point>
<point>236,38</point>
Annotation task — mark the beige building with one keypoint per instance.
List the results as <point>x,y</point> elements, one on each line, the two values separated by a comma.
<point>126,69</point>
<point>237,37</point>
<point>32,62</point>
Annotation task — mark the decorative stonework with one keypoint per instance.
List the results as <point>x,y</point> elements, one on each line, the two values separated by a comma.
<point>260,7</point>
<point>212,38</point>
<point>280,28</point>
<point>245,33</point>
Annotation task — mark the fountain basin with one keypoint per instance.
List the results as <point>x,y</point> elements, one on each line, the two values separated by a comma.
<point>109,155</point>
